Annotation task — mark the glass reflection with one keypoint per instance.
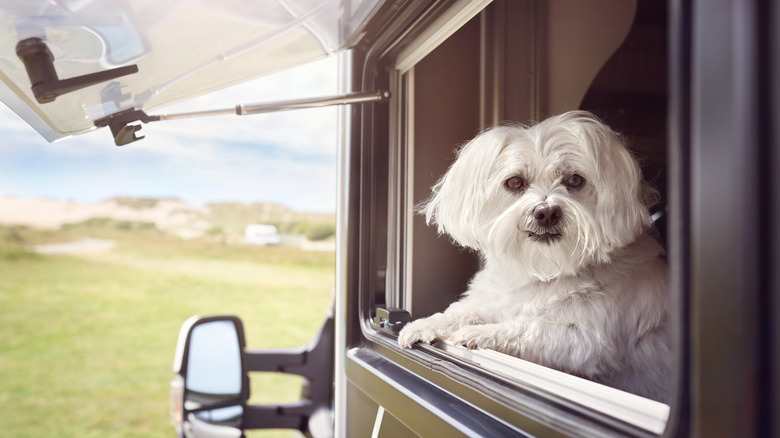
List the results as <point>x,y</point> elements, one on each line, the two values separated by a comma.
<point>229,416</point>
<point>213,365</point>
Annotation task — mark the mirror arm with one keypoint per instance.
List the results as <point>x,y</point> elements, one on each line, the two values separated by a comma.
<point>275,360</point>
<point>315,363</point>
<point>284,416</point>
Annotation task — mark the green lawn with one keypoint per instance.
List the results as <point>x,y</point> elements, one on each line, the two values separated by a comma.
<point>87,341</point>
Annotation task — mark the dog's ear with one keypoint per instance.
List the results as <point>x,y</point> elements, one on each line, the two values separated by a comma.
<point>459,197</point>
<point>622,195</point>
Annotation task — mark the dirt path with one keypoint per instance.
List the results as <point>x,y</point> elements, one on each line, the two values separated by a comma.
<point>79,246</point>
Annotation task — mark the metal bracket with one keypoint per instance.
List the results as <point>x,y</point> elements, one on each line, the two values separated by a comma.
<point>121,125</point>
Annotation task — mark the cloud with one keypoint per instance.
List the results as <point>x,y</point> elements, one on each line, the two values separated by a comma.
<point>287,157</point>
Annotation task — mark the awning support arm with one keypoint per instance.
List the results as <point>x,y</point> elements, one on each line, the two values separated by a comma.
<point>123,129</point>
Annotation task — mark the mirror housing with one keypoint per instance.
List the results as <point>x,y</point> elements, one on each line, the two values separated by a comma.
<point>211,388</point>
<point>210,391</point>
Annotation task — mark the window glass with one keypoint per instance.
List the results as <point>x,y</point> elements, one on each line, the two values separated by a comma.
<point>181,49</point>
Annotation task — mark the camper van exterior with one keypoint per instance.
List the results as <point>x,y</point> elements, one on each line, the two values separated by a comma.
<point>693,85</point>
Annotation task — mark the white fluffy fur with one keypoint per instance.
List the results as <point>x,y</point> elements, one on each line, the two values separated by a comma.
<point>594,302</point>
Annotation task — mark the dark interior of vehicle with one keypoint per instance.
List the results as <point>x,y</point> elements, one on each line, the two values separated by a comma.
<point>630,94</point>
<point>516,63</point>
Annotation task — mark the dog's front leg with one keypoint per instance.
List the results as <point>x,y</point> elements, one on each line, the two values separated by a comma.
<point>501,337</point>
<point>582,350</point>
<point>439,326</point>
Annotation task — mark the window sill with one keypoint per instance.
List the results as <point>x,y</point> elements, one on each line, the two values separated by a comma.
<point>643,413</point>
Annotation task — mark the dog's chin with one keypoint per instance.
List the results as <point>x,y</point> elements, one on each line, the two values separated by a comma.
<point>526,249</point>
<point>544,256</point>
<point>545,238</point>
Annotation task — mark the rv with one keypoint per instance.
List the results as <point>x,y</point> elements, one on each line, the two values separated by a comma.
<point>693,84</point>
<point>262,234</point>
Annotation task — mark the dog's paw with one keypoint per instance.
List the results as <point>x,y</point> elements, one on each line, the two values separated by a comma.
<point>473,336</point>
<point>422,330</point>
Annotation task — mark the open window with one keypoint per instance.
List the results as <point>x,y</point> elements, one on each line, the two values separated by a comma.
<point>517,61</point>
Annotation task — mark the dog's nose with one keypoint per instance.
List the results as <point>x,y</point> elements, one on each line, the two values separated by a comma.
<point>547,215</point>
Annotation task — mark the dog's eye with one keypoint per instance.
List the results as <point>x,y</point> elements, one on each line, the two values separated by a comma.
<point>574,182</point>
<point>514,183</point>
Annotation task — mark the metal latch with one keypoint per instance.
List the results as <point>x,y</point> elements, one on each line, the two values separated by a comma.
<point>391,320</point>
<point>46,84</point>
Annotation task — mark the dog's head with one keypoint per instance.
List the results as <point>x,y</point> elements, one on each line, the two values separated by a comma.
<point>549,198</point>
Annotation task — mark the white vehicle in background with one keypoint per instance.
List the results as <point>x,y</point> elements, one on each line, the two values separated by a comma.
<point>691,83</point>
<point>262,234</point>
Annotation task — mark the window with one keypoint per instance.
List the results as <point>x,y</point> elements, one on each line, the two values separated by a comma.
<point>517,61</point>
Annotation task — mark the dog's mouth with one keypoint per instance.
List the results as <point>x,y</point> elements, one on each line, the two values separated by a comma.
<point>544,237</point>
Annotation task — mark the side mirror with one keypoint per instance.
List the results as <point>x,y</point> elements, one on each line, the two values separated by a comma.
<point>209,391</point>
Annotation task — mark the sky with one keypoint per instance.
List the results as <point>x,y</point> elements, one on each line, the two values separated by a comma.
<point>287,158</point>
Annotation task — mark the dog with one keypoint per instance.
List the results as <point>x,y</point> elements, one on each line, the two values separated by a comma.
<point>572,277</point>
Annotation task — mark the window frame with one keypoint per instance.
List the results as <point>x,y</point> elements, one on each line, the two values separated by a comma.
<point>707,400</point>
<point>590,407</point>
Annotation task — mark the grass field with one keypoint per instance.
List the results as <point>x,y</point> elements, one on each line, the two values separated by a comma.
<point>87,341</point>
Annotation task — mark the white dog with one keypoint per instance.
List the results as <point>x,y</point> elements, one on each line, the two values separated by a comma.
<point>570,278</point>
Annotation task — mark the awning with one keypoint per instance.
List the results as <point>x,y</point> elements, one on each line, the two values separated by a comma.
<point>181,48</point>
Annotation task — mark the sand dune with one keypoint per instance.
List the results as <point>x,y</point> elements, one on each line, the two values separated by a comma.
<point>169,215</point>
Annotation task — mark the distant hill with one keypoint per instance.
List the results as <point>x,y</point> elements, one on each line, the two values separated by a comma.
<point>223,220</point>
<point>233,214</point>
